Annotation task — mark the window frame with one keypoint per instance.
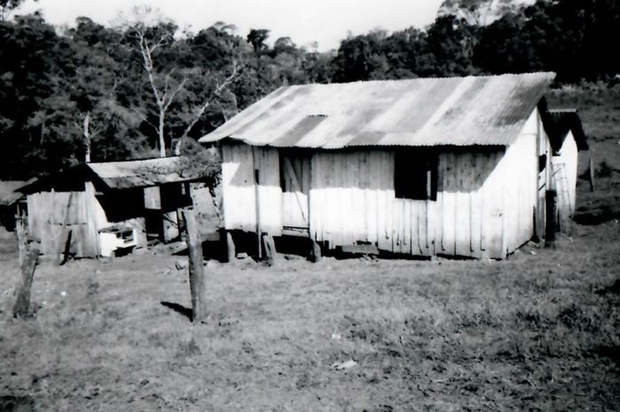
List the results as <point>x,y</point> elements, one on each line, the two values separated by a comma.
<point>416,174</point>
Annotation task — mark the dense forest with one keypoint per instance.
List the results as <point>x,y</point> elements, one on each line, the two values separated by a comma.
<point>144,87</point>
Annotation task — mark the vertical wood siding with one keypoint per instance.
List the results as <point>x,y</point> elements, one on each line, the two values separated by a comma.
<point>51,215</point>
<point>239,192</point>
<point>568,156</point>
<point>485,206</point>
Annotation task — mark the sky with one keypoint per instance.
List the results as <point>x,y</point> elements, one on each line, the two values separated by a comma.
<point>304,21</point>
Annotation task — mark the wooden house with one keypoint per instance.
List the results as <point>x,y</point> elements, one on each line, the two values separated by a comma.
<point>94,209</point>
<point>443,166</point>
<point>567,138</point>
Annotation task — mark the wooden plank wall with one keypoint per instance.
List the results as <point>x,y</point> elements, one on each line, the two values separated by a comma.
<point>51,215</point>
<point>485,202</point>
<point>568,156</point>
<point>239,192</point>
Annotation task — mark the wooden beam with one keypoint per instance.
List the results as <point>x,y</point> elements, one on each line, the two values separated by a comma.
<point>269,248</point>
<point>315,251</point>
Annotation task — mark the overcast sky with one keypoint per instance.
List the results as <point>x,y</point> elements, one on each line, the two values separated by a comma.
<point>324,21</point>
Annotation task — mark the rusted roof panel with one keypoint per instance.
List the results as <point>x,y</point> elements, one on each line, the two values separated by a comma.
<point>142,173</point>
<point>119,175</point>
<point>459,111</point>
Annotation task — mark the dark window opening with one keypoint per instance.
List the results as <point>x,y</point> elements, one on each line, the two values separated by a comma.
<point>415,174</point>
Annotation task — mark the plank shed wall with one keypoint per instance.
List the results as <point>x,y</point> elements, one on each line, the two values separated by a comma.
<point>568,156</point>
<point>52,214</point>
<point>512,190</point>
<point>239,163</point>
<point>485,206</point>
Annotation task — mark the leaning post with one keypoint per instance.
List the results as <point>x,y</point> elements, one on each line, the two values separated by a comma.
<point>196,270</point>
<point>28,257</point>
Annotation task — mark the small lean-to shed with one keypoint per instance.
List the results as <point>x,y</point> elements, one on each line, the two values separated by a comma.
<point>567,139</point>
<point>443,166</point>
<point>93,208</point>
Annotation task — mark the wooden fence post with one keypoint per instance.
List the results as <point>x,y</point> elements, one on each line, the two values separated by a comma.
<point>196,271</point>
<point>21,309</point>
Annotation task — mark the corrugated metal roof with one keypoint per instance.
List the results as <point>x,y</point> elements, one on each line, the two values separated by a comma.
<point>142,173</point>
<point>459,111</point>
<point>119,175</point>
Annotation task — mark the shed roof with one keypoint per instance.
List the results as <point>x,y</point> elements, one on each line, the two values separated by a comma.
<point>120,175</point>
<point>9,191</point>
<point>557,125</point>
<point>143,173</point>
<point>459,111</point>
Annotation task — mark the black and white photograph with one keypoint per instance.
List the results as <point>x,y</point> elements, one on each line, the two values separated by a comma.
<point>296,205</point>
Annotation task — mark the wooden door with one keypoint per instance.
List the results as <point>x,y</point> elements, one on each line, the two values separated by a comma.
<point>295,183</point>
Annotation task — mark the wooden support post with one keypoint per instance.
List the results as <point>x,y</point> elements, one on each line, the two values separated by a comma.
<point>20,231</point>
<point>550,215</point>
<point>196,271</point>
<point>257,203</point>
<point>21,309</point>
<point>315,251</point>
<point>230,246</point>
<point>269,248</point>
<point>67,249</point>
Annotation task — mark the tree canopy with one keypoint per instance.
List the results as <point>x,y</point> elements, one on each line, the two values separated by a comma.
<point>135,91</point>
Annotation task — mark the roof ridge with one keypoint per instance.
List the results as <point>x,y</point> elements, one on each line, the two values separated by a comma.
<point>130,160</point>
<point>484,76</point>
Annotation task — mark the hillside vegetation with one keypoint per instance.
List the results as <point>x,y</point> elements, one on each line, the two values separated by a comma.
<point>138,89</point>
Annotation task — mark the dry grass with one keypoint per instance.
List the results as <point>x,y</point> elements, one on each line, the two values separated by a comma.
<point>538,332</point>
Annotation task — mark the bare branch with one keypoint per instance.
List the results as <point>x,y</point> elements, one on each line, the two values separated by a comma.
<point>174,93</point>
<point>145,119</point>
<point>207,102</point>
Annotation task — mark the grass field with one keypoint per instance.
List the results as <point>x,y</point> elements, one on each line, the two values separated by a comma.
<point>539,331</point>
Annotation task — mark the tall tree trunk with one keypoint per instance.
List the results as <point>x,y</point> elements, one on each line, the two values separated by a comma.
<point>87,137</point>
<point>160,131</point>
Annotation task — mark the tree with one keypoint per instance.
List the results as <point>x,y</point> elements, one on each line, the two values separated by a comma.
<point>167,77</point>
<point>257,38</point>
<point>476,12</point>
<point>451,42</point>
<point>6,6</point>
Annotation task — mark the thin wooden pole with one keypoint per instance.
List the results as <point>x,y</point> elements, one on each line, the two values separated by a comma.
<point>257,202</point>
<point>196,271</point>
